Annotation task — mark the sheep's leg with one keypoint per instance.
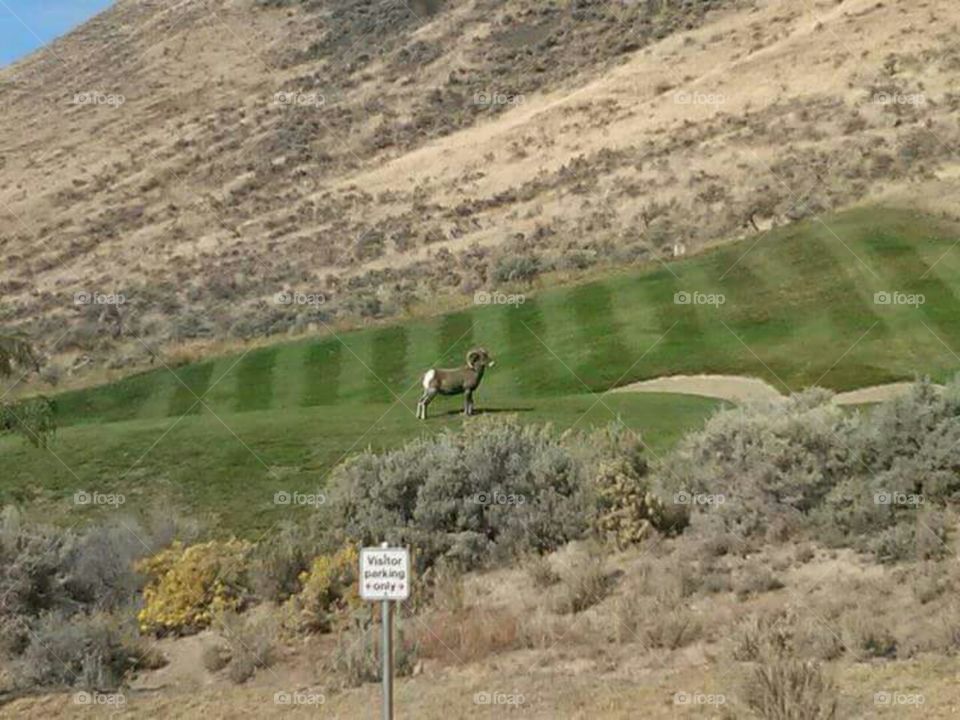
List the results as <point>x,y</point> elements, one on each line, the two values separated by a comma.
<point>428,396</point>
<point>468,403</point>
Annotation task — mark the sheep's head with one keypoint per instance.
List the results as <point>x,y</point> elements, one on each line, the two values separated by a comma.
<point>479,357</point>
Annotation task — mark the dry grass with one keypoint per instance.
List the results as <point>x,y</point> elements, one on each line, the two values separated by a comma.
<point>781,689</point>
<point>468,636</point>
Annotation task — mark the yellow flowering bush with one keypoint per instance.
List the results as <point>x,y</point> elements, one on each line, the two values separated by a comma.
<point>626,509</point>
<point>329,590</point>
<point>188,586</point>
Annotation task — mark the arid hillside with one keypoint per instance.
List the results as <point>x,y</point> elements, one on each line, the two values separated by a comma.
<point>238,168</point>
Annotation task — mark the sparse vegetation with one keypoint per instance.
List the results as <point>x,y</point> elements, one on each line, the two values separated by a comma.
<point>247,645</point>
<point>600,192</point>
<point>662,590</point>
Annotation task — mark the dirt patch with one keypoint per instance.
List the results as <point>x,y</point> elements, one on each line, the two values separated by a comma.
<point>739,390</point>
<point>732,388</point>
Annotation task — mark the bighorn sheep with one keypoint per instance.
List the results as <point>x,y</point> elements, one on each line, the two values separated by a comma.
<point>455,381</point>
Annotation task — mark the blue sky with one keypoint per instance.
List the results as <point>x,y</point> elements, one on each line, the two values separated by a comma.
<point>46,20</point>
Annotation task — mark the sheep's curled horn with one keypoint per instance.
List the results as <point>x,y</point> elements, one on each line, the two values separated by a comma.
<point>473,356</point>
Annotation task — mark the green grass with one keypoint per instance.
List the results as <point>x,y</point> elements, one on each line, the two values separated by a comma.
<point>227,470</point>
<point>796,307</point>
<point>799,310</point>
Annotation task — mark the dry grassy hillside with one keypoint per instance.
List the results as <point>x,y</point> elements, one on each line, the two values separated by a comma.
<point>200,157</point>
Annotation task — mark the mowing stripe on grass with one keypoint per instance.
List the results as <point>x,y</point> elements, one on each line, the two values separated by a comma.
<point>455,337</point>
<point>604,355</point>
<point>941,255</point>
<point>356,368</point>
<point>254,376</point>
<point>902,269</point>
<point>681,350</point>
<point>768,306</point>
<point>157,405</point>
<point>289,373</point>
<point>389,348</point>
<point>321,373</point>
<point>861,335</point>
<point>841,282</point>
<point>224,390</point>
<point>637,319</point>
<point>197,379</point>
<point>715,303</point>
<point>123,400</point>
<point>940,300</point>
<point>524,362</point>
<point>421,356</point>
<point>490,327</point>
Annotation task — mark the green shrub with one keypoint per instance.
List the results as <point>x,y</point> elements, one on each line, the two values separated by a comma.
<point>33,561</point>
<point>100,566</point>
<point>356,658</point>
<point>496,490</point>
<point>891,501</point>
<point>278,562</point>
<point>95,652</point>
<point>64,573</point>
<point>763,462</point>
<point>34,419</point>
<point>625,508</point>
<point>776,469</point>
<point>516,268</point>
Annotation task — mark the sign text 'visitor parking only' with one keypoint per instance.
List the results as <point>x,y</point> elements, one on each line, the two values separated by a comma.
<point>384,573</point>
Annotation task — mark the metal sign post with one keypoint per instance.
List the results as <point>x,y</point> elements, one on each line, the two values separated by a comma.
<point>386,621</point>
<point>385,578</point>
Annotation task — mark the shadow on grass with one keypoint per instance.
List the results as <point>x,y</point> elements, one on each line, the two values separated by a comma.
<point>484,411</point>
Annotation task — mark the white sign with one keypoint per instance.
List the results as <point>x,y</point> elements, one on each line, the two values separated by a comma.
<point>384,573</point>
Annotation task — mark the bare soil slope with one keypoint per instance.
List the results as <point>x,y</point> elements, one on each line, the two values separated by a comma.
<point>199,158</point>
